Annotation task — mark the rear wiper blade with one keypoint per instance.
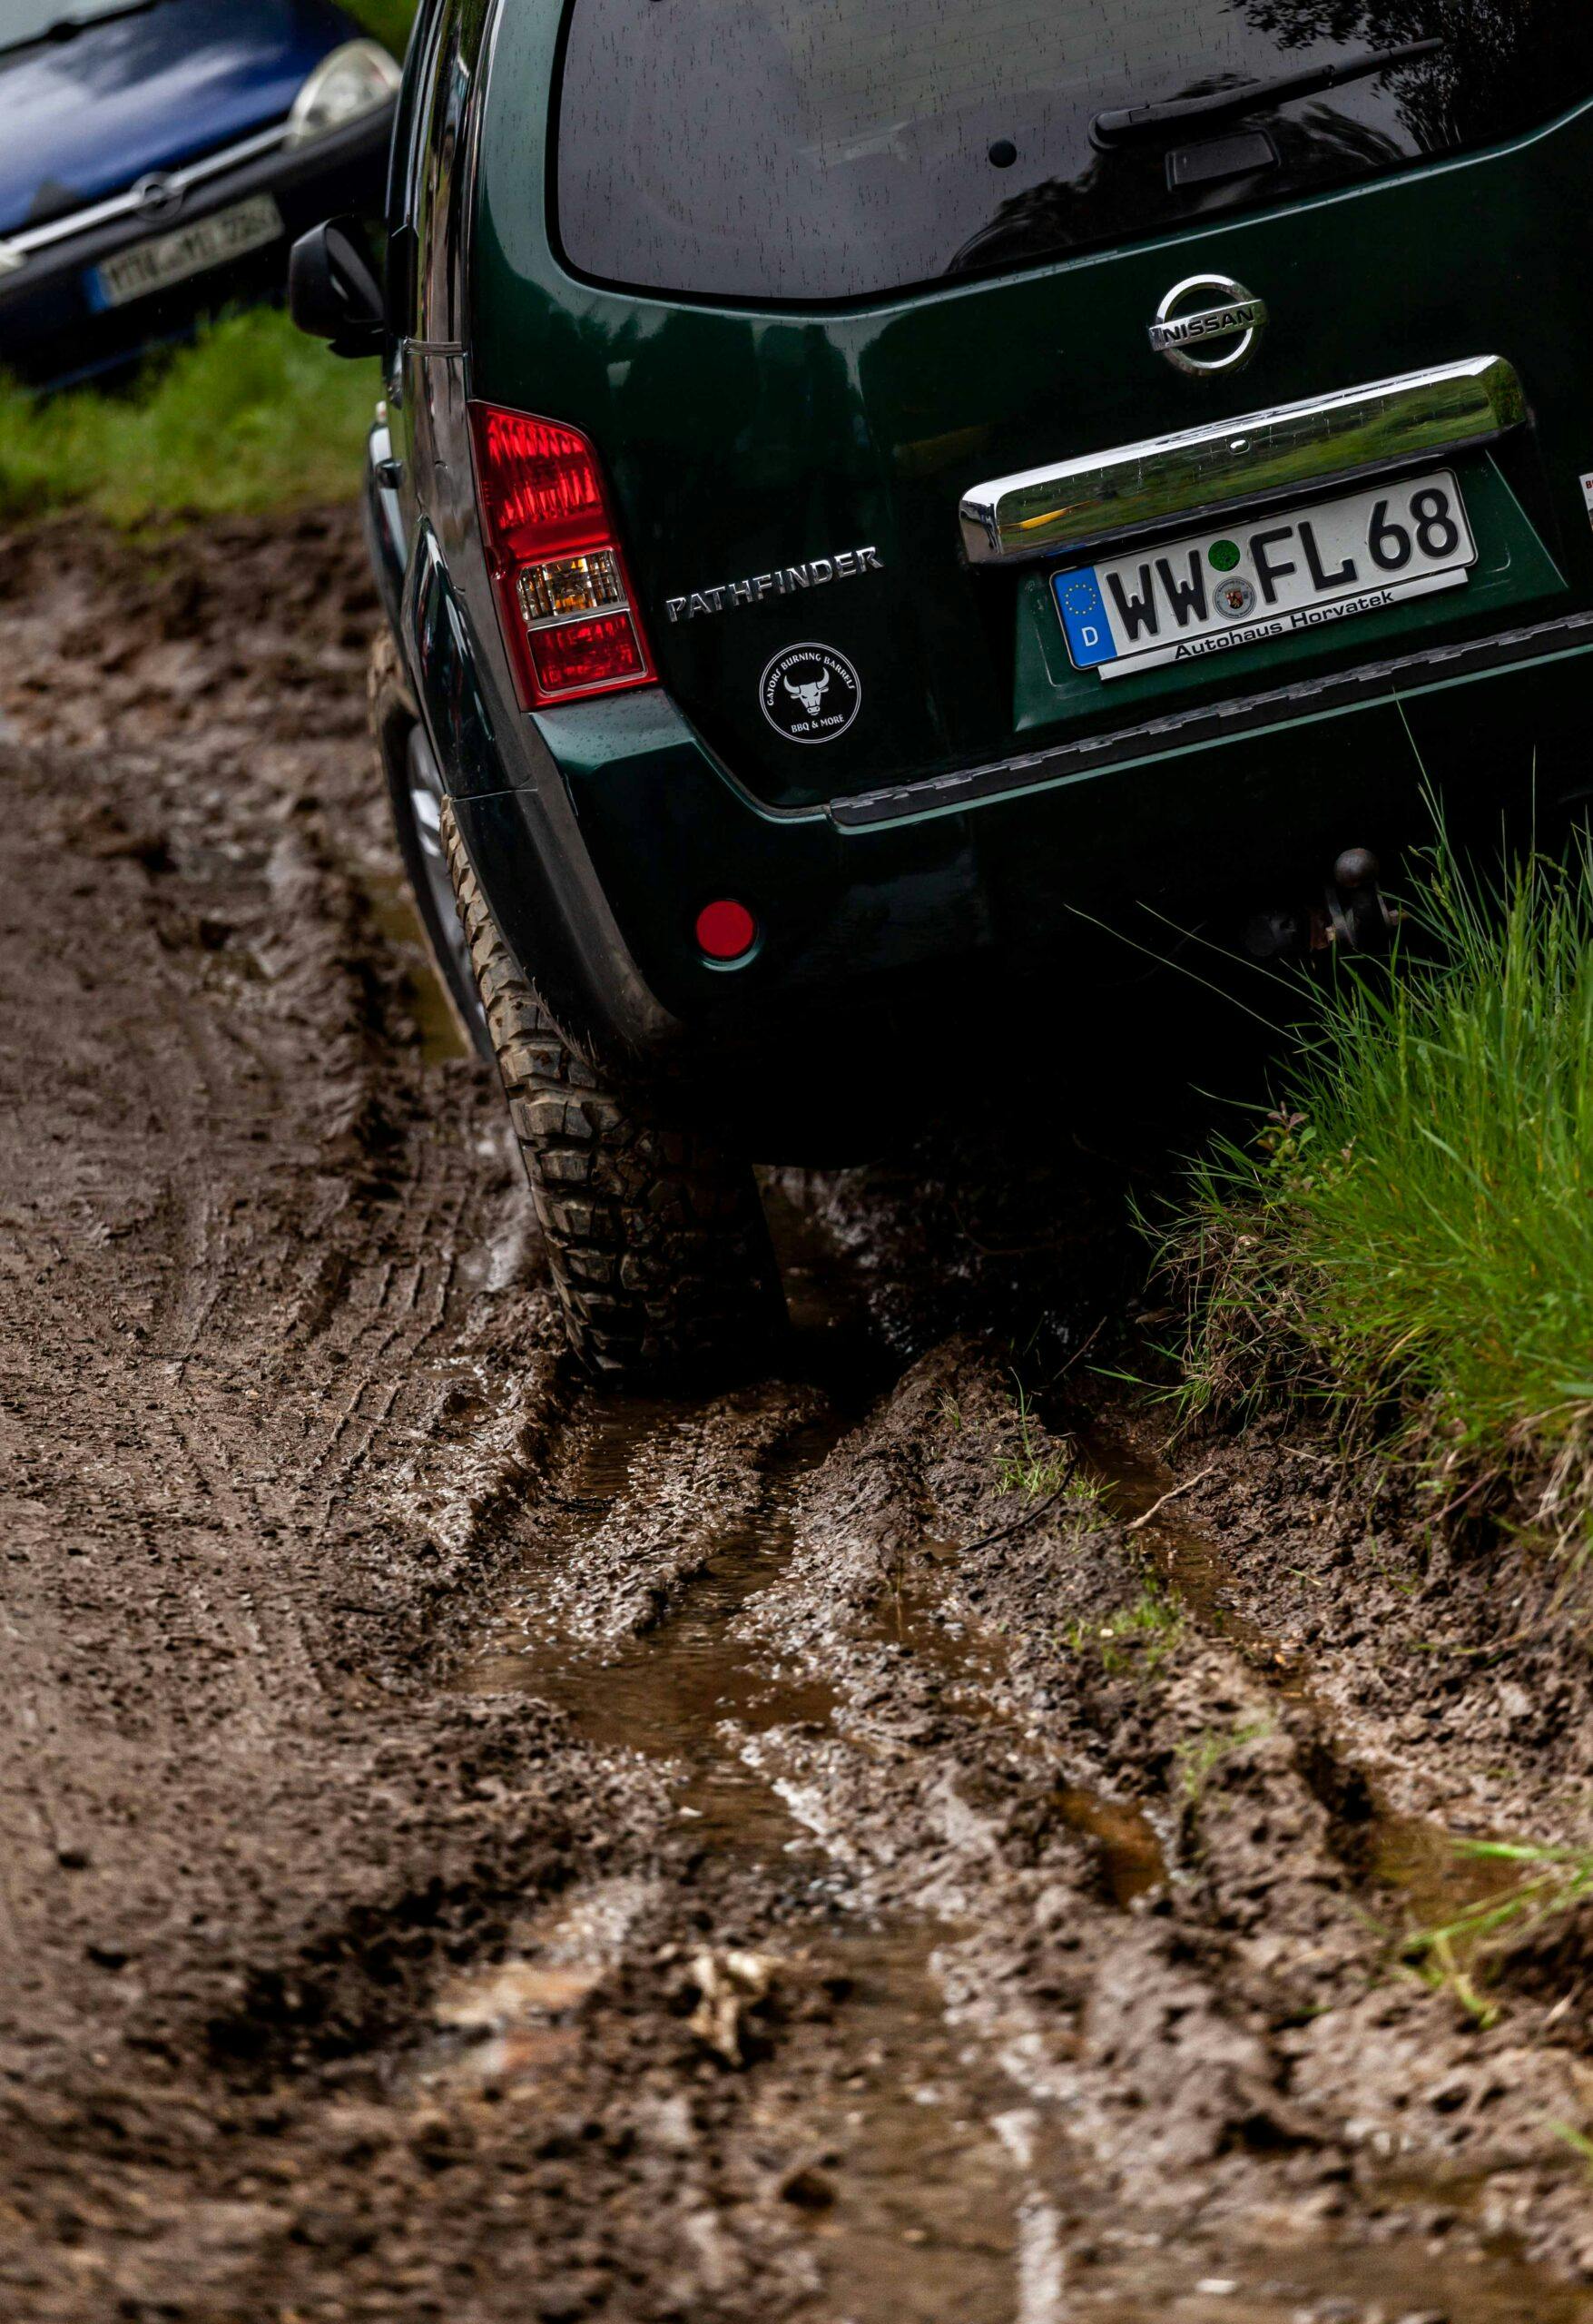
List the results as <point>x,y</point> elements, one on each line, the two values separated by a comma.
<point>1179,114</point>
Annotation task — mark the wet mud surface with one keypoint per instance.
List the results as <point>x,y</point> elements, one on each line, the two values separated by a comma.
<point>849,1848</point>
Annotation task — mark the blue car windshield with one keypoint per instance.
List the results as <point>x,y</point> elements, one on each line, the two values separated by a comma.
<point>23,23</point>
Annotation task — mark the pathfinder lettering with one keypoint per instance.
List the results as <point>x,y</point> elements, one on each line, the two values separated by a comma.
<point>846,565</point>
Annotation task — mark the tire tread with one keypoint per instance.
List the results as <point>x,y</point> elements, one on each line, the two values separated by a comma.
<point>656,1239</point>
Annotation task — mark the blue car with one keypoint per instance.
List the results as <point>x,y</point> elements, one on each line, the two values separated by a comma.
<point>157,157</point>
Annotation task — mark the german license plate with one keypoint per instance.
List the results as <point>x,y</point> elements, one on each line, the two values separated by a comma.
<point>1275,577</point>
<point>171,258</point>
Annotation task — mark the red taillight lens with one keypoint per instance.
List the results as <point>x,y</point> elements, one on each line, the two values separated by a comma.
<point>586,656</point>
<point>563,592</point>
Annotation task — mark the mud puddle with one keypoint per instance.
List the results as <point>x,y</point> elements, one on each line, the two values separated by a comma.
<point>1146,1496</point>
<point>1424,1875</point>
<point>1131,1854</point>
<point>930,2186</point>
<point>913,2197</point>
<point>333,1990</point>
<point>969,1666</point>
<point>673,1692</point>
<point>387,898</point>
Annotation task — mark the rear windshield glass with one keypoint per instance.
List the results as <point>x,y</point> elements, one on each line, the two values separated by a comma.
<point>834,148</point>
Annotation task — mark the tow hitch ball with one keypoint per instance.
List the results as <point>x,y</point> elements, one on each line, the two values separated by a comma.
<point>1353,916</point>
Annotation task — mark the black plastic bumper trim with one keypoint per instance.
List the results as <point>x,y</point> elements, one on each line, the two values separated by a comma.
<point>970,786</point>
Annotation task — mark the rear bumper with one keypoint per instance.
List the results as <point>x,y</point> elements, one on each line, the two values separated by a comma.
<point>50,331</point>
<point>599,831</point>
<point>1396,677</point>
<point>1064,867</point>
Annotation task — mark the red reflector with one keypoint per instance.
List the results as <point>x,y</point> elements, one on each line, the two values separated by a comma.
<point>553,545</point>
<point>579,656</point>
<point>726,929</point>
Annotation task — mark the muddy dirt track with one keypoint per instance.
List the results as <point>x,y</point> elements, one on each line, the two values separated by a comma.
<point>473,1852</point>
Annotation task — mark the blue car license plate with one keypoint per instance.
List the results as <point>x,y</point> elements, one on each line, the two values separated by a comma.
<point>166,258</point>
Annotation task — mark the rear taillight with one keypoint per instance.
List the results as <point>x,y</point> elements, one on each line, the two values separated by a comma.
<point>563,594</point>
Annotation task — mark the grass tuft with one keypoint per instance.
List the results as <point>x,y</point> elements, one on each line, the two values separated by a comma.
<point>1412,1232</point>
<point>1455,1958</point>
<point>1200,1756</point>
<point>1036,1477</point>
<point>1139,1640</point>
<point>1580,2144</point>
<point>1038,1474</point>
<point>253,416</point>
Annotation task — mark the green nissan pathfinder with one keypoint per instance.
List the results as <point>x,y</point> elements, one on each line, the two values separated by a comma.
<point>871,495</point>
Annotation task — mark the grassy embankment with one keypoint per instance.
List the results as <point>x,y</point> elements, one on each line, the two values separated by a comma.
<point>1409,1240</point>
<point>252,417</point>
<point>388,20</point>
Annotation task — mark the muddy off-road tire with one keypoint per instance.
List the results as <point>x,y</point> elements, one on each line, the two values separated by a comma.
<point>415,790</point>
<point>656,1236</point>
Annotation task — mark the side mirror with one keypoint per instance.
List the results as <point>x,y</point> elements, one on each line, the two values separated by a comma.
<point>332,293</point>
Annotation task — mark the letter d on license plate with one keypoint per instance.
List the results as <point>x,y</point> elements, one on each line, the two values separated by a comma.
<point>1267,577</point>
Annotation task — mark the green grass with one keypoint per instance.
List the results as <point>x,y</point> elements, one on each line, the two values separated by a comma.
<point>1412,1231</point>
<point>1456,1956</point>
<point>1027,1471</point>
<point>253,416</point>
<point>387,20</point>
<point>1137,1639</point>
<point>1036,1472</point>
<point>1200,1756</point>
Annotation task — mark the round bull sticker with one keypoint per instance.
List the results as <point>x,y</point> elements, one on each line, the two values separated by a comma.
<point>811,693</point>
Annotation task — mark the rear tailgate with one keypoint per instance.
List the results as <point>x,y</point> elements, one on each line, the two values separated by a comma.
<point>1491,251</point>
<point>789,479</point>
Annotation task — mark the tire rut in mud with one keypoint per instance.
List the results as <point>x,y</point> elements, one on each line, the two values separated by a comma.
<point>275,1348</point>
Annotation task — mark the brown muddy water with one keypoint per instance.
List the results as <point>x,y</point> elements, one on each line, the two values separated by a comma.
<point>919,2202</point>
<point>387,898</point>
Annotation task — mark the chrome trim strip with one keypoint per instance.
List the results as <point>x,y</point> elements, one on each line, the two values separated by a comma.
<point>14,248</point>
<point>1137,487</point>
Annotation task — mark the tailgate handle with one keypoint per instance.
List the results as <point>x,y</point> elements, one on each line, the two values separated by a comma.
<point>1139,487</point>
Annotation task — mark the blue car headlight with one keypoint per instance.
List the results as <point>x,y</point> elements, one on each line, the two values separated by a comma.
<point>356,79</point>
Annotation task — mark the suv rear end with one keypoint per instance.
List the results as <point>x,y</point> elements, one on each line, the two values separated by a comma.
<point>877,323</point>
